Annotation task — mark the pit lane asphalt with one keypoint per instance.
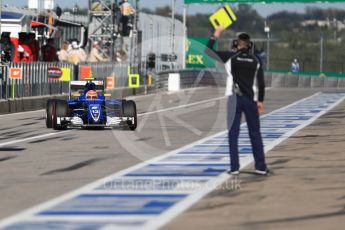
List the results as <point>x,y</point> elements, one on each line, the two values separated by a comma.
<point>38,164</point>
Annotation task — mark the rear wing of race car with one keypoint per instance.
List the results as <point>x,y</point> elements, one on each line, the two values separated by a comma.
<point>76,88</point>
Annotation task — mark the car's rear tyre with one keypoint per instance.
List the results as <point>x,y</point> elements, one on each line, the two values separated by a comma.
<point>130,110</point>
<point>60,109</point>
<point>49,113</point>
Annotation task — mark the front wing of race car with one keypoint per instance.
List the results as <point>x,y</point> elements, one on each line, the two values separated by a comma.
<point>96,113</point>
<point>110,122</point>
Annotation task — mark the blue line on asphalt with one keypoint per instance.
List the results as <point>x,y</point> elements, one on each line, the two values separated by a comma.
<point>151,184</point>
<point>115,204</point>
<point>180,170</point>
<point>80,225</point>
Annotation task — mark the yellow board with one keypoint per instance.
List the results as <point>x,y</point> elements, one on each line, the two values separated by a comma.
<point>66,74</point>
<point>133,79</point>
<point>224,17</point>
<point>149,83</point>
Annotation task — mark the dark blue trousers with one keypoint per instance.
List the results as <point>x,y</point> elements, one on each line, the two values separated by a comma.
<point>236,106</point>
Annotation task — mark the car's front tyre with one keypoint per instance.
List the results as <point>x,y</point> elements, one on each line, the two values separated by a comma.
<point>60,109</point>
<point>130,110</point>
<point>49,113</point>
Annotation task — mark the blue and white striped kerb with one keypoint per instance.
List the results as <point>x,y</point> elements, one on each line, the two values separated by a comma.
<point>150,194</point>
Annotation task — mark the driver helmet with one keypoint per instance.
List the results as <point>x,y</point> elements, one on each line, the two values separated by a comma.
<point>90,86</point>
<point>91,95</point>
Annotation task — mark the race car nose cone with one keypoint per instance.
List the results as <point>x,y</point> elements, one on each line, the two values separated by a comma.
<point>95,112</point>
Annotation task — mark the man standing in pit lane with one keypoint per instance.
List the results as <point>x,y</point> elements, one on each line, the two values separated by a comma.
<point>246,91</point>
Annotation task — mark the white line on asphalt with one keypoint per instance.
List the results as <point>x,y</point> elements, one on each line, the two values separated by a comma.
<point>21,113</point>
<point>31,138</point>
<point>139,115</point>
<point>182,106</point>
<point>133,97</point>
<point>188,105</point>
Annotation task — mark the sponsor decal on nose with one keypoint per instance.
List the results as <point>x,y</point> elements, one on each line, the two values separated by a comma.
<point>95,111</point>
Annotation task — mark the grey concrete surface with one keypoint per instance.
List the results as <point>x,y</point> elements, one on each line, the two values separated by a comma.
<point>38,170</point>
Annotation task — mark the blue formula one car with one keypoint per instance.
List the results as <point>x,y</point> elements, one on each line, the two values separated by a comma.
<point>88,106</point>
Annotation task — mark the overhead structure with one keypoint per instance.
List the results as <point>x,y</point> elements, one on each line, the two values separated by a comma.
<point>115,35</point>
<point>102,24</point>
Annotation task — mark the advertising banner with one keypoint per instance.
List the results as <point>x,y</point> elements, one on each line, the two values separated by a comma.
<point>195,55</point>
<point>15,73</point>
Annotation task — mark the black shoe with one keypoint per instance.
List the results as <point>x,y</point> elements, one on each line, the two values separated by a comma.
<point>262,172</point>
<point>234,173</point>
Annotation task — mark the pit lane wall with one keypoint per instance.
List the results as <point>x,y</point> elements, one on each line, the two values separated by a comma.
<point>39,102</point>
<point>191,78</point>
<point>188,79</point>
<point>304,80</point>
